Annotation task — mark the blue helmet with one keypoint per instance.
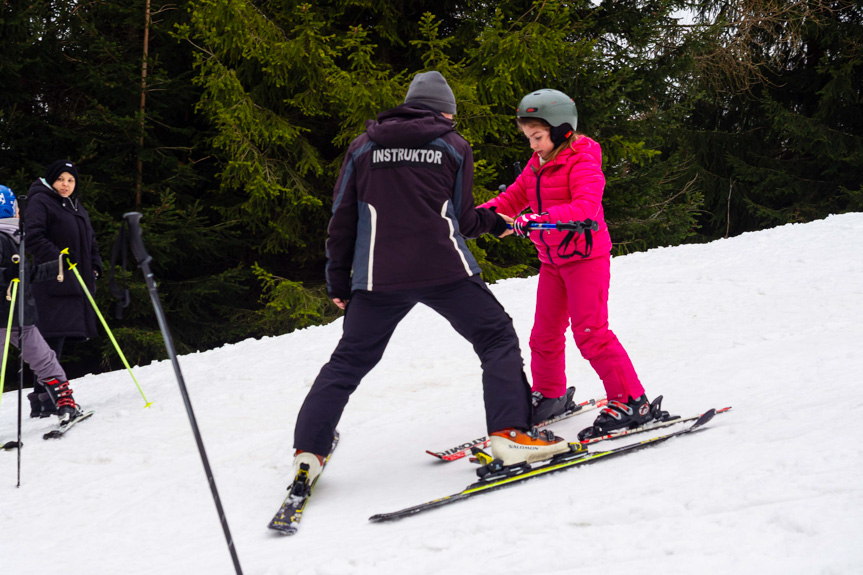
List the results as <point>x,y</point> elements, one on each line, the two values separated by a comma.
<point>7,202</point>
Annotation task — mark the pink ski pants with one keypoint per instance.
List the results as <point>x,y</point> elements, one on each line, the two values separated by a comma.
<point>577,292</point>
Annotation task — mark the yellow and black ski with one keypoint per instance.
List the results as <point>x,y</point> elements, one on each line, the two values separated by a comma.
<point>503,476</point>
<point>287,520</point>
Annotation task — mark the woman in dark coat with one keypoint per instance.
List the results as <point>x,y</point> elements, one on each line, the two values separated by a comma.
<point>52,394</point>
<point>55,219</point>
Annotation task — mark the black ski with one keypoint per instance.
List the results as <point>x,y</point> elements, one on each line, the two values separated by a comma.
<point>61,431</point>
<point>560,462</point>
<point>650,426</point>
<point>287,520</point>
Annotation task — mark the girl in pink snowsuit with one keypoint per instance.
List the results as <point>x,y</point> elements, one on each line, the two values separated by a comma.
<point>563,181</point>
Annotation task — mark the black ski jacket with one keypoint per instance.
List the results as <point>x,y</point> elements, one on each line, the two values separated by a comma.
<point>403,206</point>
<point>53,223</point>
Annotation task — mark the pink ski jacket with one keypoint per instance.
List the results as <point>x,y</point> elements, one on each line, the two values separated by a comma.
<point>569,188</point>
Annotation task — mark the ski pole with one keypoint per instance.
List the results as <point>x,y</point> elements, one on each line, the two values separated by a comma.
<point>133,219</point>
<point>14,286</point>
<point>572,226</point>
<point>74,268</point>
<point>22,280</point>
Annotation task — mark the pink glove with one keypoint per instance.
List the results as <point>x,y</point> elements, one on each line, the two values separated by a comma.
<point>521,225</point>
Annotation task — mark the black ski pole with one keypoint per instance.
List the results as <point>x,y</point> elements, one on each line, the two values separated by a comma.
<point>133,219</point>
<point>22,285</point>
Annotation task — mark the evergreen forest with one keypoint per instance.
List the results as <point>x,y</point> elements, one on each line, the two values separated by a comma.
<point>225,122</point>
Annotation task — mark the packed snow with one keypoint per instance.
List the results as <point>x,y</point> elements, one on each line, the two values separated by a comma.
<point>770,323</point>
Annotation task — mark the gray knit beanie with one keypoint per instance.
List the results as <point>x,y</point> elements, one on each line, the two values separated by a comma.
<point>432,90</point>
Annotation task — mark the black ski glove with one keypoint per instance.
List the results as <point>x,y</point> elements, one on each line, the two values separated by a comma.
<point>499,226</point>
<point>339,293</point>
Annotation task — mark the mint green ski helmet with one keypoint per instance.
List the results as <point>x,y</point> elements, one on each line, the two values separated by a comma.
<point>554,107</point>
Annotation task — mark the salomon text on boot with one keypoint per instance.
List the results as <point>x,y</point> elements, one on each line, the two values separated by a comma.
<point>513,446</point>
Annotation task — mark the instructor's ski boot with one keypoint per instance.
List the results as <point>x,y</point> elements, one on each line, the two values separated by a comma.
<point>514,446</point>
<point>544,408</point>
<point>307,467</point>
<point>618,415</point>
<point>61,396</point>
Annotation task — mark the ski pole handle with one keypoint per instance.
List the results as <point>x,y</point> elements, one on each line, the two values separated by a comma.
<point>136,239</point>
<point>538,226</point>
<point>578,227</point>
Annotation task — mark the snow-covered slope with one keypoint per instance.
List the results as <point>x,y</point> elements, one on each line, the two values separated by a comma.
<point>769,322</point>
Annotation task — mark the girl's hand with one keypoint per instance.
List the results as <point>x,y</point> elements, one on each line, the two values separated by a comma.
<point>340,302</point>
<point>521,225</point>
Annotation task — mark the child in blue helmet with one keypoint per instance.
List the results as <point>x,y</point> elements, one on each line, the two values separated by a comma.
<point>54,396</point>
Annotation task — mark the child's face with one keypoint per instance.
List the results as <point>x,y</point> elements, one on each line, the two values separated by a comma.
<point>65,184</point>
<point>539,138</point>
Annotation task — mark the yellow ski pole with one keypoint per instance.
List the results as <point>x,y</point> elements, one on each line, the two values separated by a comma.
<point>14,286</point>
<point>74,268</point>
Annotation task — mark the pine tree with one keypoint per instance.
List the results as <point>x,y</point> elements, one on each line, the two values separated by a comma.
<point>72,89</point>
<point>229,135</point>
<point>776,134</point>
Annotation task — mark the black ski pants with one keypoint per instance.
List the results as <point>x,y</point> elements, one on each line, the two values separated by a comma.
<point>370,320</point>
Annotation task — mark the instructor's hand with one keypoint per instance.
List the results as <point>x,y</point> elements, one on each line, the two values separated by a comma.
<point>342,303</point>
<point>508,231</point>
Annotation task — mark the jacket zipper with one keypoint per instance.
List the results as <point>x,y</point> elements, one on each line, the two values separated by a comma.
<point>538,172</point>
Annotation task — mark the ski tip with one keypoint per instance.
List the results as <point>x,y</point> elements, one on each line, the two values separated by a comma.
<point>382,517</point>
<point>57,433</point>
<point>10,445</point>
<point>705,417</point>
<point>283,529</point>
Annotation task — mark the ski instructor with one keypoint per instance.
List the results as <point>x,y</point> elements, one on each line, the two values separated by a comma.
<point>402,208</point>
